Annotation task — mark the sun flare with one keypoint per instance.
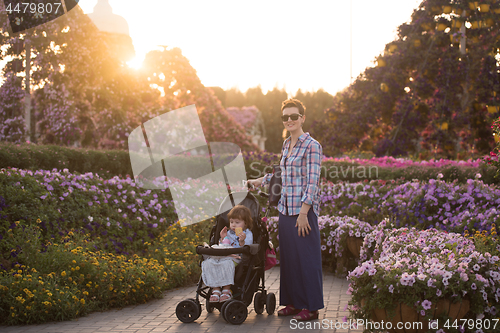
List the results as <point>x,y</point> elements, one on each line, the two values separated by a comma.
<point>135,63</point>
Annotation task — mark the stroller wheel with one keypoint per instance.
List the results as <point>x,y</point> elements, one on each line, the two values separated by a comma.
<point>223,307</point>
<point>258,303</point>
<point>188,311</point>
<point>270,303</point>
<point>235,312</point>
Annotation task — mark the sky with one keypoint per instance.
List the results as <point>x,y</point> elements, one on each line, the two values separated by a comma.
<point>287,44</point>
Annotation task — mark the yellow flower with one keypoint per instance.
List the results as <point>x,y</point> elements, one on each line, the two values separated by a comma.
<point>82,301</point>
<point>85,293</point>
<point>63,273</point>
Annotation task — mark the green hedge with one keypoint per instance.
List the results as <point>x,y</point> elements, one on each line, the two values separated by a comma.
<point>109,163</point>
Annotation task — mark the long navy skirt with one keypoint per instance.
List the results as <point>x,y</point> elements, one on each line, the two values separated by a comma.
<point>301,275</point>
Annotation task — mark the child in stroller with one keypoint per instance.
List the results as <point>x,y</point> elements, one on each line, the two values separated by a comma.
<point>249,273</point>
<point>219,271</point>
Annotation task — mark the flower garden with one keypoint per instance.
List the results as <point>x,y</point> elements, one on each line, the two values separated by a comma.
<point>73,243</point>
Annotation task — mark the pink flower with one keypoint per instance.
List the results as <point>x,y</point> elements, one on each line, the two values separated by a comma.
<point>426,305</point>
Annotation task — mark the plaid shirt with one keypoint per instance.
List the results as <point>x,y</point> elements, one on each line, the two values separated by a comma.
<point>300,175</point>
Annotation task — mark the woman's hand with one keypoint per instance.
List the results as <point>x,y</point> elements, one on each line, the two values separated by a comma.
<point>255,182</point>
<point>303,225</point>
<point>223,233</point>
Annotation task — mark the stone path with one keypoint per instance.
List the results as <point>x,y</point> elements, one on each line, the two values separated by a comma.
<point>159,315</point>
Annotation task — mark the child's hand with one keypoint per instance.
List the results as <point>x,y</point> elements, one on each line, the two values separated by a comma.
<point>242,236</point>
<point>223,233</point>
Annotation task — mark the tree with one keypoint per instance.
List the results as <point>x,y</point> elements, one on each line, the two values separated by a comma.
<point>11,109</point>
<point>85,95</point>
<point>316,103</point>
<point>425,96</point>
<point>171,72</point>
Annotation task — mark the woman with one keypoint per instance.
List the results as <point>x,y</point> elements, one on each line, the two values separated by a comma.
<point>301,278</point>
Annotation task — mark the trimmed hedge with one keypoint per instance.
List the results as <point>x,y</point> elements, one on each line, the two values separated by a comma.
<point>109,163</point>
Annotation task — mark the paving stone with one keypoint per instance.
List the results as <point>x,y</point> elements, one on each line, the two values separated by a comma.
<point>159,315</point>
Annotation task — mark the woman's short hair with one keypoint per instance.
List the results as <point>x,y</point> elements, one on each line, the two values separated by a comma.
<point>241,212</point>
<point>292,102</point>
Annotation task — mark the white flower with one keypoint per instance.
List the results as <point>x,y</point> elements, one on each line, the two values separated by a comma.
<point>90,218</point>
<point>478,175</point>
<point>440,175</point>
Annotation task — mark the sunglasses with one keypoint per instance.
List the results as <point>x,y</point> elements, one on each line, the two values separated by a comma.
<point>294,117</point>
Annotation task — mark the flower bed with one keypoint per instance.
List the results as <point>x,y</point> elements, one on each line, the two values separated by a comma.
<point>420,268</point>
<point>123,215</point>
<point>334,232</point>
<point>354,170</point>
<point>73,277</point>
<point>85,218</point>
<point>447,206</point>
<point>72,244</point>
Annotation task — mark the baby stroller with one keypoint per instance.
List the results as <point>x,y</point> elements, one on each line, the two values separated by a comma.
<point>249,274</point>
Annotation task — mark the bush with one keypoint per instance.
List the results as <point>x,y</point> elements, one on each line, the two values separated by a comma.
<point>71,244</point>
<point>75,276</point>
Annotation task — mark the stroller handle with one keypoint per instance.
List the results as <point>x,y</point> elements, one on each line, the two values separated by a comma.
<point>263,194</point>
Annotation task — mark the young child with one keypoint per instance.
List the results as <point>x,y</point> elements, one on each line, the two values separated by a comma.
<point>219,271</point>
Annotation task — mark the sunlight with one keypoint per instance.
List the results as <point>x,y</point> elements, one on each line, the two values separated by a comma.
<point>135,63</point>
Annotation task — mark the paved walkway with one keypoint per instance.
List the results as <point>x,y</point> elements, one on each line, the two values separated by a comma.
<point>159,315</point>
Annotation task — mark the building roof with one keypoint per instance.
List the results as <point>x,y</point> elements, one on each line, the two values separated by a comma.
<point>105,20</point>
